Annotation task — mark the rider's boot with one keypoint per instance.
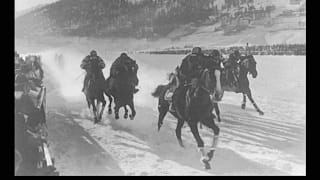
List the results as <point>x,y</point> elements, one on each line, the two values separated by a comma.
<point>84,83</point>
<point>171,107</point>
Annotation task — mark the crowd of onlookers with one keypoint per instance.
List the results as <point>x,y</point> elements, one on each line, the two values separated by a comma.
<point>277,49</point>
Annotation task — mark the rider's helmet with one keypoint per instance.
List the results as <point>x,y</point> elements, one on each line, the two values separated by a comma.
<point>236,53</point>
<point>16,57</point>
<point>30,59</point>
<point>196,50</point>
<point>215,53</point>
<point>123,55</point>
<point>93,53</point>
<point>16,54</point>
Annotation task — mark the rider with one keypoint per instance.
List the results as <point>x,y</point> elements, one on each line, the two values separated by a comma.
<point>18,61</point>
<point>192,65</point>
<point>233,62</point>
<point>190,69</point>
<point>87,61</point>
<point>124,61</point>
<point>216,56</point>
<point>33,71</point>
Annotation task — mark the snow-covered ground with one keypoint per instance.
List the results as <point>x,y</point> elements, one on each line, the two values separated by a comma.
<point>250,144</point>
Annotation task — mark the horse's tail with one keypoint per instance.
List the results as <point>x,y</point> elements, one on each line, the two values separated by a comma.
<point>158,91</point>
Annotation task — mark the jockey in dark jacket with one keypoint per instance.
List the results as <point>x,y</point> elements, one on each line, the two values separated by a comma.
<point>190,69</point>
<point>216,56</point>
<point>87,61</point>
<point>192,65</point>
<point>126,63</point>
<point>232,64</point>
<point>33,70</point>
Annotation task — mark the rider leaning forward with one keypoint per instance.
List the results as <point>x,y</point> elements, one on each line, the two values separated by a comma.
<point>126,63</point>
<point>193,65</point>
<point>87,61</point>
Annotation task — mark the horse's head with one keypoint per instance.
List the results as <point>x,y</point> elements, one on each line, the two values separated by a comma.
<point>210,84</point>
<point>251,65</point>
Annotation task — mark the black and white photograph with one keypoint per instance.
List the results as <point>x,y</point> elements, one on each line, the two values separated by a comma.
<point>160,87</point>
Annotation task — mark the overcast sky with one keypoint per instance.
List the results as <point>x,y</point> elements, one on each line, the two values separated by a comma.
<point>25,4</point>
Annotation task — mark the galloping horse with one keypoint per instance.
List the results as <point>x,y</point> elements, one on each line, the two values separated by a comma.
<point>247,65</point>
<point>123,91</point>
<point>94,91</point>
<point>193,105</point>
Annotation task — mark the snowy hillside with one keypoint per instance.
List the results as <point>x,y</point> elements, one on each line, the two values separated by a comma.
<point>178,20</point>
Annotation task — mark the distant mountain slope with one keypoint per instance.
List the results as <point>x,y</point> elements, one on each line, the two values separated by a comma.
<point>112,17</point>
<point>141,18</point>
<point>29,10</point>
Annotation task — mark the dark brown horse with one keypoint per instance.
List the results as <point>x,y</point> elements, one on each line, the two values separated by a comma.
<point>94,91</point>
<point>247,65</point>
<point>122,91</point>
<point>193,105</point>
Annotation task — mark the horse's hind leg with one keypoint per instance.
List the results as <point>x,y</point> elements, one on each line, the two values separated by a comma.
<point>178,131</point>
<point>253,103</point>
<point>243,105</point>
<point>209,122</point>
<point>163,108</point>
<point>125,112</point>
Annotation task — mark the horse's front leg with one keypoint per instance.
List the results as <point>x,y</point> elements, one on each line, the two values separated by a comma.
<point>125,112</point>
<point>209,122</point>
<point>116,109</point>
<point>194,129</point>
<point>110,103</point>
<point>254,104</point>
<point>102,109</point>
<point>98,108</point>
<point>216,107</point>
<point>94,111</point>
<point>133,111</point>
<point>243,105</point>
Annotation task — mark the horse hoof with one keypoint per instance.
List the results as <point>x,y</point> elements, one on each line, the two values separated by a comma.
<point>243,106</point>
<point>110,112</point>
<point>125,116</point>
<point>116,117</point>
<point>210,154</point>
<point>131,117</point>
<point>206,164</point>
<point>181,144</point>
<point>261,113</point>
